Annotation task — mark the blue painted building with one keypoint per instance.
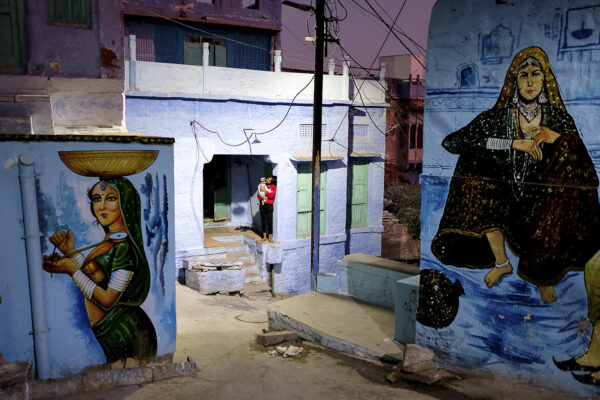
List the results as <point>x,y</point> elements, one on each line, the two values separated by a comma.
<point>506,328</point>
<point>233,126</point>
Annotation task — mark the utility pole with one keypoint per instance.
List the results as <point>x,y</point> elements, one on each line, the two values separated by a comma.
<point>316,147</point>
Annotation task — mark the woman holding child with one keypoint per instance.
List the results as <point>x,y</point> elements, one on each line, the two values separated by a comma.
<point>266,198</point>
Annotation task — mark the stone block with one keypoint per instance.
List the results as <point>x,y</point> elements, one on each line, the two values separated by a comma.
<point>418,367</point>
<point>167,371</point>
<point>406,298</point>
<point>209,282</point>
<point>272,338</point>
<point>415,354</point>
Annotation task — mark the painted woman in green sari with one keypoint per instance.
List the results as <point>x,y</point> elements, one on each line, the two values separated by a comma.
<point>524,179</point>
<point>114,277</point>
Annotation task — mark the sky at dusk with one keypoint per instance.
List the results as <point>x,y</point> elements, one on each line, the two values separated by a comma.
<point>361,34</point>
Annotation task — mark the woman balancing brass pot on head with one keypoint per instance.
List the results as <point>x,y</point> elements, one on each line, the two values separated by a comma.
<point>524,178</point>
<point>114,277</point>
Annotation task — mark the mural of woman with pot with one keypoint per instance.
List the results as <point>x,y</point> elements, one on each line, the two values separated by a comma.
<point>524,179</point>
<point>114,277</point>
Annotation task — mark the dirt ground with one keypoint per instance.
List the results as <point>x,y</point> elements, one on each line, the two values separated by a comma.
<point>219,334</point>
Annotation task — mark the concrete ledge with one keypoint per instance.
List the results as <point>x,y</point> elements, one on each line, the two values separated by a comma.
<point>103,379</point>
<point>338,322</point>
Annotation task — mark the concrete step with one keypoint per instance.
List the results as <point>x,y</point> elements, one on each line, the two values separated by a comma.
<point>253,275</point>
<point>255,288</point>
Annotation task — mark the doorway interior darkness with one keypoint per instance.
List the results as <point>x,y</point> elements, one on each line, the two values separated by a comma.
<point>217,189</point>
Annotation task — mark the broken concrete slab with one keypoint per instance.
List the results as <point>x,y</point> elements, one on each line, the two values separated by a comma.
<point>414,354</point>
<point>273,338</point>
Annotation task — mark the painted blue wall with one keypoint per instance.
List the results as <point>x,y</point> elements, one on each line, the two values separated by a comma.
<point>505,329</point>
<point>167,116</point>
<point>63,204</point>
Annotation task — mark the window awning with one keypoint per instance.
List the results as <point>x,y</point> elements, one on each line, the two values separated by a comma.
<point>364,154</point>
<point>309,158</point>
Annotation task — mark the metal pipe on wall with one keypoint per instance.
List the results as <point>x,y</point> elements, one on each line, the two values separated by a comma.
<point>34,265</point>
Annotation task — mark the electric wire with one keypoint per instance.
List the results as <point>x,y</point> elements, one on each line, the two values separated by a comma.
<point>397,37</point>
<point>368,14</point>
<point>250,129</point>
<point>372,63</point>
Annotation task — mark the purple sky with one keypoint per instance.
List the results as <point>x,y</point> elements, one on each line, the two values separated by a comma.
<point>361,34</point>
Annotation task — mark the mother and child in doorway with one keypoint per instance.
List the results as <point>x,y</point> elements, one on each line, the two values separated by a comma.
<point>266,197</point>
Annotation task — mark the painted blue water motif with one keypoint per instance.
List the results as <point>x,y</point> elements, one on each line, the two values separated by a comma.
<point>156,223</point>
<point>508,330</point>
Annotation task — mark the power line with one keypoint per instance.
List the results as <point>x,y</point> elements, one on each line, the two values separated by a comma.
<point>359,88</point>
<point>251,129</point>
<point>397,37</point>
<point>397,28</point>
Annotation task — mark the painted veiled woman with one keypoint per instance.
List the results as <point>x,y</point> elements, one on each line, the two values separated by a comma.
<point>114,277</point>
<point>524,178</point>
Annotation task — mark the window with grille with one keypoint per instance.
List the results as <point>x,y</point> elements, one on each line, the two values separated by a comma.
<point>416,136</point>
<point>76,13</point>
<point>304,200</point>
<point>144,39</point>
<point>306,131</point>
<point>360,131</point>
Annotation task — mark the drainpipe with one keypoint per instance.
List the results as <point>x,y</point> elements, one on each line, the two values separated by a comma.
<point>34,265</point>
<point>205,55</point>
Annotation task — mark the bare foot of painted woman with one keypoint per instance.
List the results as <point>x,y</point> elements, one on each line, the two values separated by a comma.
<point>495,274</point>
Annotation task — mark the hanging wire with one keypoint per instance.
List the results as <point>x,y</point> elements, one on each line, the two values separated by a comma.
<point>248,129</point>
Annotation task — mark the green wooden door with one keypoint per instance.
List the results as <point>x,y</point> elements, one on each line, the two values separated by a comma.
<point>304,200</point>
<point>11,37</point>
<point>358,193</point>
<point>222,192</point>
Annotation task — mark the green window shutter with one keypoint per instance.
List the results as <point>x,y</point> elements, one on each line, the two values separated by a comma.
<point>11,37</point>
<point>71,12</point>
<point>304,204</point>
<point>304,200</point>
<point>358,193</point>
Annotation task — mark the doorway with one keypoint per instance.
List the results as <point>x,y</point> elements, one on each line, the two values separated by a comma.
<point>217,189</point>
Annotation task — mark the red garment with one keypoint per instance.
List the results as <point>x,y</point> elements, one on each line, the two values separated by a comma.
<point>270,197</point>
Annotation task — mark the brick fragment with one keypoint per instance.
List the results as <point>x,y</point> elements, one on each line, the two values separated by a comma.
<point>272,338</point>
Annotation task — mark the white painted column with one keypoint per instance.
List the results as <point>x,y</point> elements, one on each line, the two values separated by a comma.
<point>205,56</point>
<point>382,74</point>
<point>331,66</point>
<point>345,70</point>
<point>34,265</point>
<point>277,60</point>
